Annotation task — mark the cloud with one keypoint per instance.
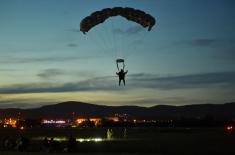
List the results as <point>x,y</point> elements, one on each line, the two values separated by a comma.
<point>13,60</point>
<point>226,53</point>
<point>203,42</point>
<point>104,83</point>
<point>211,42</point>
<point>204,80</point>
<point>219,80</point>
<point>130,31</point>
<point>7,70</point>
<point>198,42</point>
<point>163,101</point>
<point>22,103</point>
<point>49,73</point>
<point>55,73</point>
<point>72,45</point>
<point>222,49</point>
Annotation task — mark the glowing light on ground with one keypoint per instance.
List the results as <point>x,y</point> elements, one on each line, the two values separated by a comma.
<point>60,139</point>
<point>229,128</point>
<point>89,139</point>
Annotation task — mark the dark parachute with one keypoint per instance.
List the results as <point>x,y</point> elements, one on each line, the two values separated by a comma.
<point>135,15</point>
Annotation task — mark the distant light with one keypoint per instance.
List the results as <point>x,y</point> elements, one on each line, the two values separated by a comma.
<point>60,139</point>
<point>53,121</point>
<point>22,128</point>
<point>229,128</point>
<point>81,140</point>
<point>98,139</point>
<point>89,139</point>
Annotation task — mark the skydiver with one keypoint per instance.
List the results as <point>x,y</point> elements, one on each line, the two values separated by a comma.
<point>122,75</point>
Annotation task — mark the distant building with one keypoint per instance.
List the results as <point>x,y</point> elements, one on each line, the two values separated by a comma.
<point>55,123</point>
<point>96,121</point>
<point>80,121</point>
<point>9,122</point>
<point>113,118</point>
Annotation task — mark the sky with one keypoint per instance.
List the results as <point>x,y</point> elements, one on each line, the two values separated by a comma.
<point>187,58</point>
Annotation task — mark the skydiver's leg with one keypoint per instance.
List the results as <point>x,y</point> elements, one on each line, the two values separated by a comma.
<point>119,82</point>
<point>124,82</point>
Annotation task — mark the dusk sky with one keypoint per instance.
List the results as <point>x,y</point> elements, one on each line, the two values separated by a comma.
<point>187,58</point>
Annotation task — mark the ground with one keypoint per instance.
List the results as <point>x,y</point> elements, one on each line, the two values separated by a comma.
<point>162,141</point>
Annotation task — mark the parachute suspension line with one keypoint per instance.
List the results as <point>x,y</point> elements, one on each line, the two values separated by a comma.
<point>114,39</point>
<point>117,66</point>
<point>131,14</point>
<point>94,37</point>
<point>129,46</point>
<point>133,44</point>
<point>143,38</point>
<point>130,43</point>
<point>102,38</point>
<point>122,39</point>
<point>106,36</point>
<point>117,37</point>
<point>94,41</point>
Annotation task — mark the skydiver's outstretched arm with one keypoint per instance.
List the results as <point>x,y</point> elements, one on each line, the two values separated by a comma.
<point>126,71</point>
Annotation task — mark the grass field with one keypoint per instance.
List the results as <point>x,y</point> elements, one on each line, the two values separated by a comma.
<point>164,141</point>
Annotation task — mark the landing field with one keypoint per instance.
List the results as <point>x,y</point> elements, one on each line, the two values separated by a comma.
<point>164,141</point>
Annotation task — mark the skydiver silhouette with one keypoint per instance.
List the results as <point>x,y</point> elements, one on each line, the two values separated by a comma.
<point>122,75</point>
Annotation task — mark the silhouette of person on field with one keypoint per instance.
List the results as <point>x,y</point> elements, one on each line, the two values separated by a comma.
<point>45,145</point>
<point>122,75</point>
<point>71,144</point>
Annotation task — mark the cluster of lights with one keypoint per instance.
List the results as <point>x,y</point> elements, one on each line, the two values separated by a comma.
<point>53,121</point>
<point>81,120</point>
<point>89,139</point>
<point>113,118</point>
<point>11,122</point>
<point>60,139</point>
<point>229,128</point>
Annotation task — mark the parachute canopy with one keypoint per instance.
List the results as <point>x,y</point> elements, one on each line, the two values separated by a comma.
<point>97,17</point>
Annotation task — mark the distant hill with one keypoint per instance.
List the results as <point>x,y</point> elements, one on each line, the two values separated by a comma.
<point>65,110</point>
